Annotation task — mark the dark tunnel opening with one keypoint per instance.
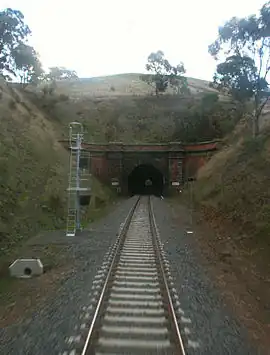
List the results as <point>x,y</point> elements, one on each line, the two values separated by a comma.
<point>145,180</point>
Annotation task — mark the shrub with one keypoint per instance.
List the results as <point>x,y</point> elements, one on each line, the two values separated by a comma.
<point>12,104</point>
<point>63,97</point>
<point>48,90</point>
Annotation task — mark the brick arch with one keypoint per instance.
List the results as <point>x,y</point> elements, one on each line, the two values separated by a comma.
<point>160,163</point>
<point>136,181</point>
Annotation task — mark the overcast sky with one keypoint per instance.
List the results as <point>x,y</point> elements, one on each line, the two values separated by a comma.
<point>103,37</point>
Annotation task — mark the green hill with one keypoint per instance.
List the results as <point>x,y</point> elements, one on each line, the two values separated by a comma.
<point>123,107</point>
<point>121,84</point>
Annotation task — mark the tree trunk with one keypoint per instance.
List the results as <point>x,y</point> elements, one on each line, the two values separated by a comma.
<point>255,128</point>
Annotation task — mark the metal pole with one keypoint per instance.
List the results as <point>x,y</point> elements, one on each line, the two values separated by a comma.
<point>190,188</point>
<point>190,202</point>
<point>78,144</point>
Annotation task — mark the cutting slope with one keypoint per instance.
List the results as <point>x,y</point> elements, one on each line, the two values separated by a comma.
<point>232,198</point>
<point>33,170</point>
<point>233,192</point>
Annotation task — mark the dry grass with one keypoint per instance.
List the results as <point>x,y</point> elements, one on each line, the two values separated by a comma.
<point>33,170</point>
<point>121,107</point>
<point>235,184</point>
<point>120,85</point>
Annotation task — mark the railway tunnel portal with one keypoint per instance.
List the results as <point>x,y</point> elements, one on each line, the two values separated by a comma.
<point>144,168</point>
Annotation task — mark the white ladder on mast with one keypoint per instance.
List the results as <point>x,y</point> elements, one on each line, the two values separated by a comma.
<point>73,217</point>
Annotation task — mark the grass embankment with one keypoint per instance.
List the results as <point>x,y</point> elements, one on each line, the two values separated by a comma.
<point>33,179</point>
<point>232,196</point>
<point>33,169</point>
<point>234,185</point>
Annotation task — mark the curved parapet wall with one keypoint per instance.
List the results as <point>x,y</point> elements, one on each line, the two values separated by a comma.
<point>150,147</point>
<point>201,147</point>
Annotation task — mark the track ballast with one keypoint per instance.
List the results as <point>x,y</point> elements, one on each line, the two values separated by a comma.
<point>135,312</point>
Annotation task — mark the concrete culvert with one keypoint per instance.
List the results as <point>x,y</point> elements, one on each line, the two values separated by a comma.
<point>26,268</point>
<point>145,179</point>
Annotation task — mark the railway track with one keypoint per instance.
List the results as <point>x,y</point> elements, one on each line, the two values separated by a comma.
<point>135,312</point>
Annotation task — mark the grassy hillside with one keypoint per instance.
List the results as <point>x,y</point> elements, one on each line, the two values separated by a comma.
<point>33,170</point>
<point>121,107</point>
<point>233,188</point>
<point>121,84</point>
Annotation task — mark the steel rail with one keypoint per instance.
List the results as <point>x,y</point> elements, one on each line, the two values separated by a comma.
<point>166,294</point>
<point>101,298</point>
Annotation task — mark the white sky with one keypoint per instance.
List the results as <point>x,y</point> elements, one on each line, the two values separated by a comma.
<point>104,37</point>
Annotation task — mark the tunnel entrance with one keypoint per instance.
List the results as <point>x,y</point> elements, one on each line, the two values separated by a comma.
<point>145,179</point>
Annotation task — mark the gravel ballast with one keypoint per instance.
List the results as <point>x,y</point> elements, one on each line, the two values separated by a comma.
<point>212,325</point>
<point>46,331</point>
